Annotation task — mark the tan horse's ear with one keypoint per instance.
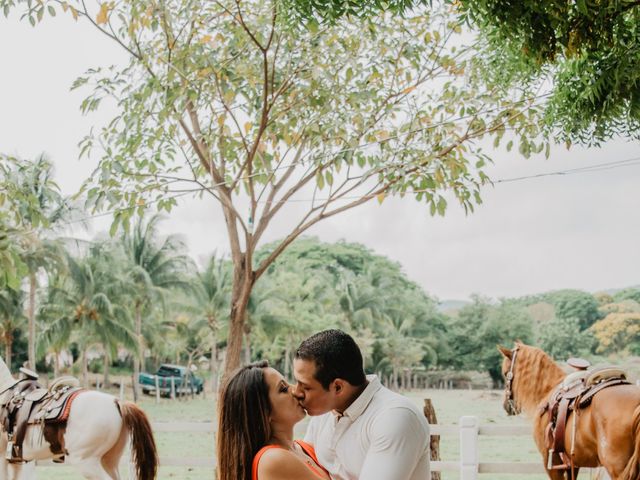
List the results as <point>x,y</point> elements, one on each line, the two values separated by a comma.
<point>504,351</point>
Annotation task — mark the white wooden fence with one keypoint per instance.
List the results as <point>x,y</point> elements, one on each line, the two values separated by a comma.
<point>468,465</point>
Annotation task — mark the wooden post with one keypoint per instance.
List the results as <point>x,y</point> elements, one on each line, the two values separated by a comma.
<point>434,444</point>
<point>121,389</point>
<point>468,448</point>
<point>155,377</point>
<point>173,388</point>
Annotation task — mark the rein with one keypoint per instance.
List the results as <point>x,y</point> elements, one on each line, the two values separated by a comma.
<point>511,403</point>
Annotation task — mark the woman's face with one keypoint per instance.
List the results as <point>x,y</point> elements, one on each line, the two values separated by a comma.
<point>285,408</point>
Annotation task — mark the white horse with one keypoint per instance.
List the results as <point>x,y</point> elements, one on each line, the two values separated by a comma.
<point>94,439</point>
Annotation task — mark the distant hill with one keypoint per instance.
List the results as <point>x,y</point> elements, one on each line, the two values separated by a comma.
<point>451,305</point>
<point>448,305</point>
<point>613,291</point>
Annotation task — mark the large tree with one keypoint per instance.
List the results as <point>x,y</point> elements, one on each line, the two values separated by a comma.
<point>274,121</point>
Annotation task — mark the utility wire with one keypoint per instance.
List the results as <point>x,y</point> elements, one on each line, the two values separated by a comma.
<point>573,171</point>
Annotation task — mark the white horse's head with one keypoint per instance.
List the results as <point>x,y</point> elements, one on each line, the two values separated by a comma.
<point>6,379</point>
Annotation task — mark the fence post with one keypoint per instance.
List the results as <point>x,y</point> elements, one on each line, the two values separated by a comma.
<point>468,448</point>
<point>434,444</point>
<point>157,384</point>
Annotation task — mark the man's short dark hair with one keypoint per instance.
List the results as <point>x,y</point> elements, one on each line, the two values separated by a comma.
<point>336,355</point>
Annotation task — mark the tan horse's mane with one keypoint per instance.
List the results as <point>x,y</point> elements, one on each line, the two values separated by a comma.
<point>535,375</point>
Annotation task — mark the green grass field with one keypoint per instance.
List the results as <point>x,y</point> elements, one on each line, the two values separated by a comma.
<point>449,405</point>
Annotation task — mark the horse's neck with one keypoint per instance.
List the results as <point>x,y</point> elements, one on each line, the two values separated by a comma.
<point>538,379</point>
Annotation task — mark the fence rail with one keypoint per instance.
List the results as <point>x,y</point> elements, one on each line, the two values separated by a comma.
<point>468,430</point>
<point>468,465</point>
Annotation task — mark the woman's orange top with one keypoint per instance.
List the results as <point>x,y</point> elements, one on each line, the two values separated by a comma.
<point>308,449</point>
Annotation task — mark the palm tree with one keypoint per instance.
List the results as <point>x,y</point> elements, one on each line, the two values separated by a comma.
<point>11,319</point>
<point>155,265</point>
<point>39,208</point>
<point>86,306</point>
<point>401,349</point>
<point>212,289</point>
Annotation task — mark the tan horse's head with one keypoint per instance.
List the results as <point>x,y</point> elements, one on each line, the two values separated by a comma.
<point>530,375</point>
<point>509,403</point>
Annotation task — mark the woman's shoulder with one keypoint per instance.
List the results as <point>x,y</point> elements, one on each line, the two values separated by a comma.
<point>277,463</point>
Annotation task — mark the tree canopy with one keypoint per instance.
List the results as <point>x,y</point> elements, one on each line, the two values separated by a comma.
<point>229,101</point>
<point>588,51</point>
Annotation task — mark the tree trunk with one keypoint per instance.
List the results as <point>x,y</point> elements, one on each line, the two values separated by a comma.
<point>242,285</point>
<point>31,315</point>
<point>106,365</point>
<point>213,366</point>
<point>8,349</point>
<point>287,364</point>
<point>138,355</point>
<point>56,364</point>
<point>247,343</point>
<point>85,368</point>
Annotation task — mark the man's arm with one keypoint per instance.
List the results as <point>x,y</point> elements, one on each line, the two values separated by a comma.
<point>399,438</point>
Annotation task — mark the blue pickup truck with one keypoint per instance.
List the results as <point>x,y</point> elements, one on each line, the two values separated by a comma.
<point>184,381</point>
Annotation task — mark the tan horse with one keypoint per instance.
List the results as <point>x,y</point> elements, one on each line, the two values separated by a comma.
<point>608,430</point>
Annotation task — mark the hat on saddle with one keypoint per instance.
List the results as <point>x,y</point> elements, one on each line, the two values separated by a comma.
<point>6,379</point>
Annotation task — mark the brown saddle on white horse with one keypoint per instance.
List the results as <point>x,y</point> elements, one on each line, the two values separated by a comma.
<point>28,403</point>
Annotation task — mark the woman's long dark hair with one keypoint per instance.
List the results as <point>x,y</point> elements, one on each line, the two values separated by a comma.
<point>243,425</point>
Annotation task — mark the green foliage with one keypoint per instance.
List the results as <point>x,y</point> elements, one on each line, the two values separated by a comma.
<point>228,99</point>
<point>589,50</point>
<point>618,332</point>
<point>627,294</point>
<point>575,304</point>
<point>331,10</point>
<point>567,304</point>
<point>563,338</point>
<point>480,327</point>
<point>315,285</point>
<point>85,305</point>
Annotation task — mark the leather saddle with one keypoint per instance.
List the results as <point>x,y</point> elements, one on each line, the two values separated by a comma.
<point>574,393</point>
<point>29,403</point>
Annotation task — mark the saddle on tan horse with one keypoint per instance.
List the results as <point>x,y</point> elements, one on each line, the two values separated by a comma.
<point>29,403</point>
<point>574,393</point>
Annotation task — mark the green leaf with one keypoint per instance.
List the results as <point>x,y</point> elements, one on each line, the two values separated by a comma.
<point>320,179</point>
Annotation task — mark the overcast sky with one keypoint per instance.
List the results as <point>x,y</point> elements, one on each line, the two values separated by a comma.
<point>566,231</point>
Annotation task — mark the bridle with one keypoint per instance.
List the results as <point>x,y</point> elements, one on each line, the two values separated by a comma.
<point>510,403</point>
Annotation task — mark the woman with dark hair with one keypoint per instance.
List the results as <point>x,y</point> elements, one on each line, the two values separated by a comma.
<point>255,432</point>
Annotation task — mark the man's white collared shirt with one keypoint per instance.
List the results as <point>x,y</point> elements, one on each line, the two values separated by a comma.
<point>381,436</point>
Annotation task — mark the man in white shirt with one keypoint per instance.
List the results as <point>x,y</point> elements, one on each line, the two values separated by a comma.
<point>360,430</point>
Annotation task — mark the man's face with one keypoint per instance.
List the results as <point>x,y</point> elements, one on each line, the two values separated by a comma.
<point>309,391</point>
